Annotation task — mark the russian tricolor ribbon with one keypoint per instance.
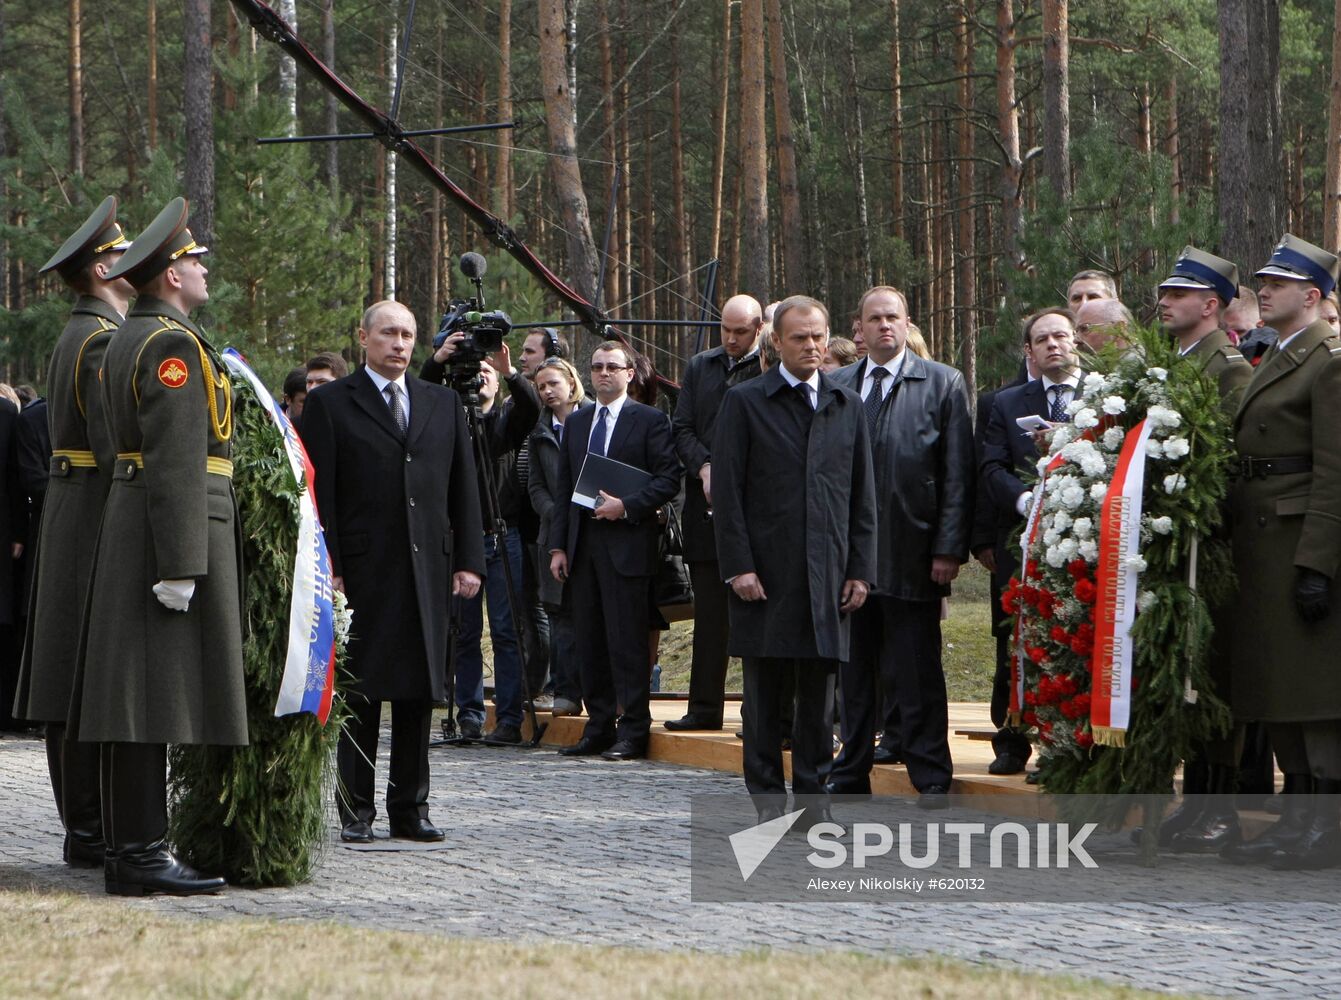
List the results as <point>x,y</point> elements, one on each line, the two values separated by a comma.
<point>1116,579</point>
<point>308,682</point>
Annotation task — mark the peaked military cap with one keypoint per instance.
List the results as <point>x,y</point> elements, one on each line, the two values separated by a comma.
<point>1302,261</point>
<point>99,234</point>
<point>1198,269</point>
<point>162,242</point>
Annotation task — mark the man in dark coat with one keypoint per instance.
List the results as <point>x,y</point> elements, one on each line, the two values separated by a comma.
<point>161,656</point>
<point>706,381</point>
<point>13,537</point>
<point>610,552</point>
<point>1285,520</point>
<point>922,452</point>
<point>398,497</point>
<point>795,516</point>
<point>77,488</point>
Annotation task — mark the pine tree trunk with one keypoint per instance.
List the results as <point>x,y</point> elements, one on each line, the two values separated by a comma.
<point>288,72</point>
<point>622,115</point>
<point>896,127</point>
<point>5,302</point>
<point>76,85</point>
<point>722,67</point>
<point>647,302</point>
<point>151,84</point>
<point>1057,97</point>
<point>1008,124</point>
<point>392,230</point>
<point>564,169</point>
<point>1171,144</point>
<point>332,103</point>
<point>793,245</point>
<point>503,164</point>
<point>198,108</point>
<point>754,152</point>
<point>613,271</point>
<point>966,260</point>
<point>857,149</point>
<point>1331,225</point>
<point>684,284</point>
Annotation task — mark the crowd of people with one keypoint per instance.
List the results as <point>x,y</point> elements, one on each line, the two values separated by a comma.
<point>830,490</point>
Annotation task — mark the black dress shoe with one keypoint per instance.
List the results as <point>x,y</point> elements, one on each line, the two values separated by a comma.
<point>692,723</point>
<point>504,734</point>
<point>1005,763</point>
<point>625,750</point>
<point>357,832</point>
<point>142,871</point>
<point>884,755</point>
<point>1033,777</point>
<point>934,797</point>
<point>470,729</point>
<point>813,816</point>
<point>419,829</point>
<point>585,747</point>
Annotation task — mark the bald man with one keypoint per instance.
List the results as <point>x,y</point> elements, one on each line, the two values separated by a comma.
<point>396,487</point>
<point>1100,322</point>
<point>706,380</point>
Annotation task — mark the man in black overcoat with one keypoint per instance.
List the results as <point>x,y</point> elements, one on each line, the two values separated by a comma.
<point>922,452</point>
<point>705,382</point>
<point>396,489</point>
<point>795,517</point>
<point>611,555</point>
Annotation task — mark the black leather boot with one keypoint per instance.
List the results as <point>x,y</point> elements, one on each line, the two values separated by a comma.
<point>1319,846</point>
<point>1218,825</point>
<point>138,861</point>
<point>82,808</point>
<point>1284,833</point>
<point>1196,777</point>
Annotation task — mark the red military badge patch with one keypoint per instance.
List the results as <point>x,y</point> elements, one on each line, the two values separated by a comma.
<point>172,373</point>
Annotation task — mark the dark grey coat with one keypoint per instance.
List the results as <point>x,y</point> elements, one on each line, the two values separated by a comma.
<point>401,515</point>
<point>542,485</point>
<point>794,502</point>
<point>72,511</point>
<point>922,450</point>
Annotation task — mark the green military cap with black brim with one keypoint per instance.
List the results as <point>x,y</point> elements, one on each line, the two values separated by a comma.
<point>1205,271</point>
<point>1300,260</point>
<point>99,234</point>
<point>163,241</point>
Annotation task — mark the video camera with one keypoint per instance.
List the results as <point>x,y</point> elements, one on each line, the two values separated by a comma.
<point>484,331</point>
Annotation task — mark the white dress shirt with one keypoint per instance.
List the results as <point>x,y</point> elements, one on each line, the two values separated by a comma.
<point>812,384</point>
<point>614,408</point>
<point>382,382</point>
<point>894,366</point>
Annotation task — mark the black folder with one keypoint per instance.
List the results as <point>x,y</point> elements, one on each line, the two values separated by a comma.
<point>601,473</point>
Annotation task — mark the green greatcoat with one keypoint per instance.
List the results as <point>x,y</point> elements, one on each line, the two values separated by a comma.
<point>1222,362</point>
<point>149,674</point>
<point>1283,669</point>
<point>81,470</point>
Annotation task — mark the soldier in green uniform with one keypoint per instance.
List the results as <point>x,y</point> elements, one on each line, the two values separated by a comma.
<point>1191,304</point>
<point>1285,510</point>
<point>161,658</point>
<point>81,469</point>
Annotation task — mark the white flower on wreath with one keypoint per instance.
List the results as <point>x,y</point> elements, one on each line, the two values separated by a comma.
<point>1098,491</point>
<point>1136,562</point>
<point>1073,496</point>
<point>1083,527</point>
<point>1175,483</point>
<point>1061,520</point>
<point>1158,373</point>
<point>1161,525</point>
<point>1075,406</point>
<point>1068,547</point>
<point>343,616</point>
<point>1088,550</point>
<point>1176,447</point>
<point>1062,435</point>
<point>1146,600</point>
<point>1054,558</point>
<point>1095,383</point>
<point>1113,405</point>
<point>1085,419</point>
<point>1162,416</point>
<point>1051,537</point>
<point>1153,448</point>
<point>1113,438</point>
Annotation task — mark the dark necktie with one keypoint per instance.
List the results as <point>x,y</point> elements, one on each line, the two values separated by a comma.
<point>393,401</point>
<point>803,390</point>
<point>601,434</point>
<point>876,398</point>
<point>1057,414</point>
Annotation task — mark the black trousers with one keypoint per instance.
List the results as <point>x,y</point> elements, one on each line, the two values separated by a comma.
<point>134,785</point>
<point>896,646</point>
<point>75,778</point>
<point>766,679</point>
<point>707,676</point>
<point>1008,739</point>
<point>611,615</point>
<point>534,622</point>
<point>356,760</point>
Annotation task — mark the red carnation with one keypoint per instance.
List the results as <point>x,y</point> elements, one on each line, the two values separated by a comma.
<point>1082,645</point>
<point>1029,718</point>
<point>1083,739</point>
<point>1060,635</point>
<point>1086,591</point>
<point>1030,698</point>
<point>1031,570</point>
<point>1038,655</point>
<point>1078,569</point>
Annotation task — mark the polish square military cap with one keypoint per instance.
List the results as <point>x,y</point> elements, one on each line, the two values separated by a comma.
<point>1198,269</point>
<point>100,233</point>
<point>1302,261</point>
<point>163,241</point>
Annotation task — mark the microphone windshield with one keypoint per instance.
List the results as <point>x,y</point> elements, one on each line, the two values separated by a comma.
<point>473,265</point>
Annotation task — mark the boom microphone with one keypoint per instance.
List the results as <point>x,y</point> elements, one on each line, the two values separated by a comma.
<point>473,265</point>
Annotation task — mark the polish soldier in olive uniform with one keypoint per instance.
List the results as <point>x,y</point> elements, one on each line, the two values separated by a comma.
<point>162,651</point>
<point>1286,522</point>
<point>81,469</point>
<point>1191,303</point>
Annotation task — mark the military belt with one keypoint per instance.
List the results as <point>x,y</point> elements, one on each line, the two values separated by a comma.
<point>127,462</point>
<point>1260,468</point>
<point>65,459</point>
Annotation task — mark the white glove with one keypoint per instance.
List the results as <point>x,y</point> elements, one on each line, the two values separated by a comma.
<point>175,595</point>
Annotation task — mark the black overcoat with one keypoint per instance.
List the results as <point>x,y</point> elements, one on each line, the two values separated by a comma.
<point>794,502</point>
<point>401,515</point>
<point>542,486</point>
<point>922,452</point>
<point>705,382</point>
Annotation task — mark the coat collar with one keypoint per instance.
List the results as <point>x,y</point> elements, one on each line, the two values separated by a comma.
<point>365,394</point>
<point>1280,364</point>
<point>93,306</point>
<point>1206,347</point>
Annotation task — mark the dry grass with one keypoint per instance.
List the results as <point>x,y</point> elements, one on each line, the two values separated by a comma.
<point>69,946</point>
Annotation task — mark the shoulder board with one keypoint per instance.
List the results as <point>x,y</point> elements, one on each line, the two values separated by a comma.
<point>1231,353</point>
<point>1334,348</point>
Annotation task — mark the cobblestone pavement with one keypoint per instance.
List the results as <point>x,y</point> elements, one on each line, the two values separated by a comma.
<point>548,848</point>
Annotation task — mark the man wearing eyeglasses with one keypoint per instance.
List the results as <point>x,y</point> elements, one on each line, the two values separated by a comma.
<point>609,555</point>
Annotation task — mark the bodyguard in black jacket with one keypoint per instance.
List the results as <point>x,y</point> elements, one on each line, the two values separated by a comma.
<point>922,450</point>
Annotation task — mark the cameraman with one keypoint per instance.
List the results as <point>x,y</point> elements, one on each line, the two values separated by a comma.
<point>505,426</point>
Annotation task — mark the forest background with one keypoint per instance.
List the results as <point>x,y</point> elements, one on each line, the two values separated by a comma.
<point>975,154</point>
